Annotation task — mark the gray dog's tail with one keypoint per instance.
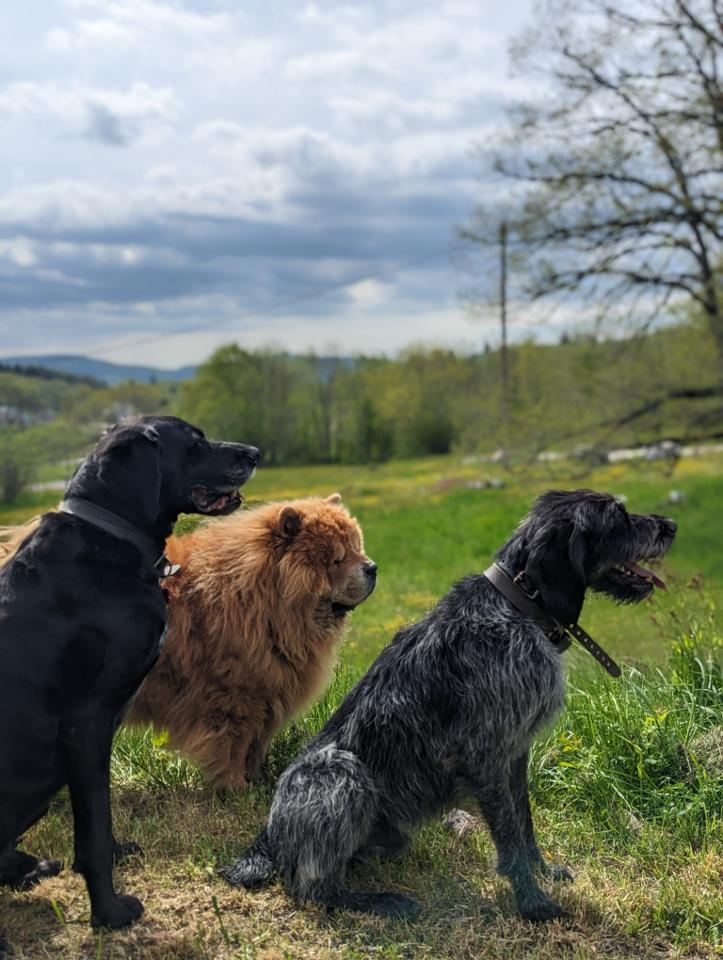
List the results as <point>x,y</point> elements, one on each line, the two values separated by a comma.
<point>255,868</point>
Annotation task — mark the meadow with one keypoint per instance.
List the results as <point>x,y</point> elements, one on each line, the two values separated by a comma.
<point>627,786</point>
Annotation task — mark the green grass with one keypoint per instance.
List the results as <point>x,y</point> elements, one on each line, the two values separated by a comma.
<point>627,785</point>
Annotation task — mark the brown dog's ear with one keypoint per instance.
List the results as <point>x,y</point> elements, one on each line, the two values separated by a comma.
<point>289,522</point>
<point>333,498</point>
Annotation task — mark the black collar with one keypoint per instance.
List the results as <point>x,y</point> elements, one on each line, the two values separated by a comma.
<point>118,527</point>
<point>522,594</point>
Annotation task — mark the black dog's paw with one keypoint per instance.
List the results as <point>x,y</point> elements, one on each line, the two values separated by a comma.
<point>41,870</point>
<point>21,871</point>
<point>120,912</point>
<point>540,909</point>
<point>123,850</point>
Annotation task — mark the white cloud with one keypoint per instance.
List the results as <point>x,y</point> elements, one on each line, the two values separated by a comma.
<point>369,293</point>
<point>263,151</point>
<point>19,251</point>
<point>113,116</point>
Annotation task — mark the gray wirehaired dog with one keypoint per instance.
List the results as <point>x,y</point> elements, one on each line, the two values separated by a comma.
<point>448,712</point>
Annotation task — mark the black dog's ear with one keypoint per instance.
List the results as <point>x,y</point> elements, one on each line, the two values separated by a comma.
<point>129,468</point>
<point>289,522</point>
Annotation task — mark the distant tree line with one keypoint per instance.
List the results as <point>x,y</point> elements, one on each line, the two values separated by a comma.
<point>580,391</point>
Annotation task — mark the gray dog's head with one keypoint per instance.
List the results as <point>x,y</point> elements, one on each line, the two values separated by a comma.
<point>576,540</point>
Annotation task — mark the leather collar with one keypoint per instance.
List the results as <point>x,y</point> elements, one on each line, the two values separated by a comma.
<point>121,528</point>
<point>560,635</point>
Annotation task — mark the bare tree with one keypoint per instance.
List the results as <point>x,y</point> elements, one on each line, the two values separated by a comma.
<point>618,158</point>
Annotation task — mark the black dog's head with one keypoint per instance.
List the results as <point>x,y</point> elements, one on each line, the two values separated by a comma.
<point>575,540</point>
<point>150,469</point>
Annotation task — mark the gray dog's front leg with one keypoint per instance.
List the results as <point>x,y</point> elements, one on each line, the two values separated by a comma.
<point>521,801</point>
<point>515,860</point>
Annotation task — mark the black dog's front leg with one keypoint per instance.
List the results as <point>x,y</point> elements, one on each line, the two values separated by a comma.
<point>521,801</point>
<point>514,856</point>
<point>86,746</point>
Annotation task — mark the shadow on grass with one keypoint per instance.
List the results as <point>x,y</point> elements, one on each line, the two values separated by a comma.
<point>192,914</point>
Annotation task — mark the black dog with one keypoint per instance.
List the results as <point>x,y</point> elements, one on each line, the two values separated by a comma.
<point>82,616</point>
<point>448,711</point>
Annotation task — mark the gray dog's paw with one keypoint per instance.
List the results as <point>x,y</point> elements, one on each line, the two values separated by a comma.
<point>396,906</point>
<point>559,873</point>
<point>461,823</point>
<point>540,909</point>
<point>553,871</point>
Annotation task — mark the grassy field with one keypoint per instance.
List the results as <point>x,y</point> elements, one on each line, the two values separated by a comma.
<point>627,785</point>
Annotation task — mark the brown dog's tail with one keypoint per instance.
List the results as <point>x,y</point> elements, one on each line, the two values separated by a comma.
<point>12,537</point>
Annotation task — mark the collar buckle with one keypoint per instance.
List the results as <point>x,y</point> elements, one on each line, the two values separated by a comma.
<point>530,590</point>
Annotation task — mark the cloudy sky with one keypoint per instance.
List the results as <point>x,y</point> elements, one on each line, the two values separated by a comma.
<point>176,174</point>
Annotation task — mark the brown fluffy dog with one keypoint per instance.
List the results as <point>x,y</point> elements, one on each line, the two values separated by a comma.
<point>255,616</point>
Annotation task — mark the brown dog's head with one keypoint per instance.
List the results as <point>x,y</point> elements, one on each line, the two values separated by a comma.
<point>322,555</point>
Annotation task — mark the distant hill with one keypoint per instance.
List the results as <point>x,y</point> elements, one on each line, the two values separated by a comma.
<point>110,373</point>
<point>38,372</point>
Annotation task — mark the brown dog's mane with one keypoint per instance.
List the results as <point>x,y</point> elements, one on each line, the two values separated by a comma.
<point>252,630</point>
<point>240,590</point>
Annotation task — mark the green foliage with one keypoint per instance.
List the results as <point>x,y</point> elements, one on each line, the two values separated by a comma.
<point>275,402</point>
<point>372,410</point>
<point>90,405</point>
<point>627,751</point>
<point>52,417</point>
<point>24,450</point>
<point>31,395</point>
<point>434,401</point>
<point>19,459</point>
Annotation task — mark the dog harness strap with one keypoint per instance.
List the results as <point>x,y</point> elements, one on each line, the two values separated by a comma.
<point>119,527</point>
<point>509,589</point>
<point>594,648</point>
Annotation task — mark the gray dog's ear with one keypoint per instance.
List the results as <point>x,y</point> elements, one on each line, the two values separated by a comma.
<point>129,468</point>
<point>577,548</point>
<point>289,522</point>
<point>590,520</point>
